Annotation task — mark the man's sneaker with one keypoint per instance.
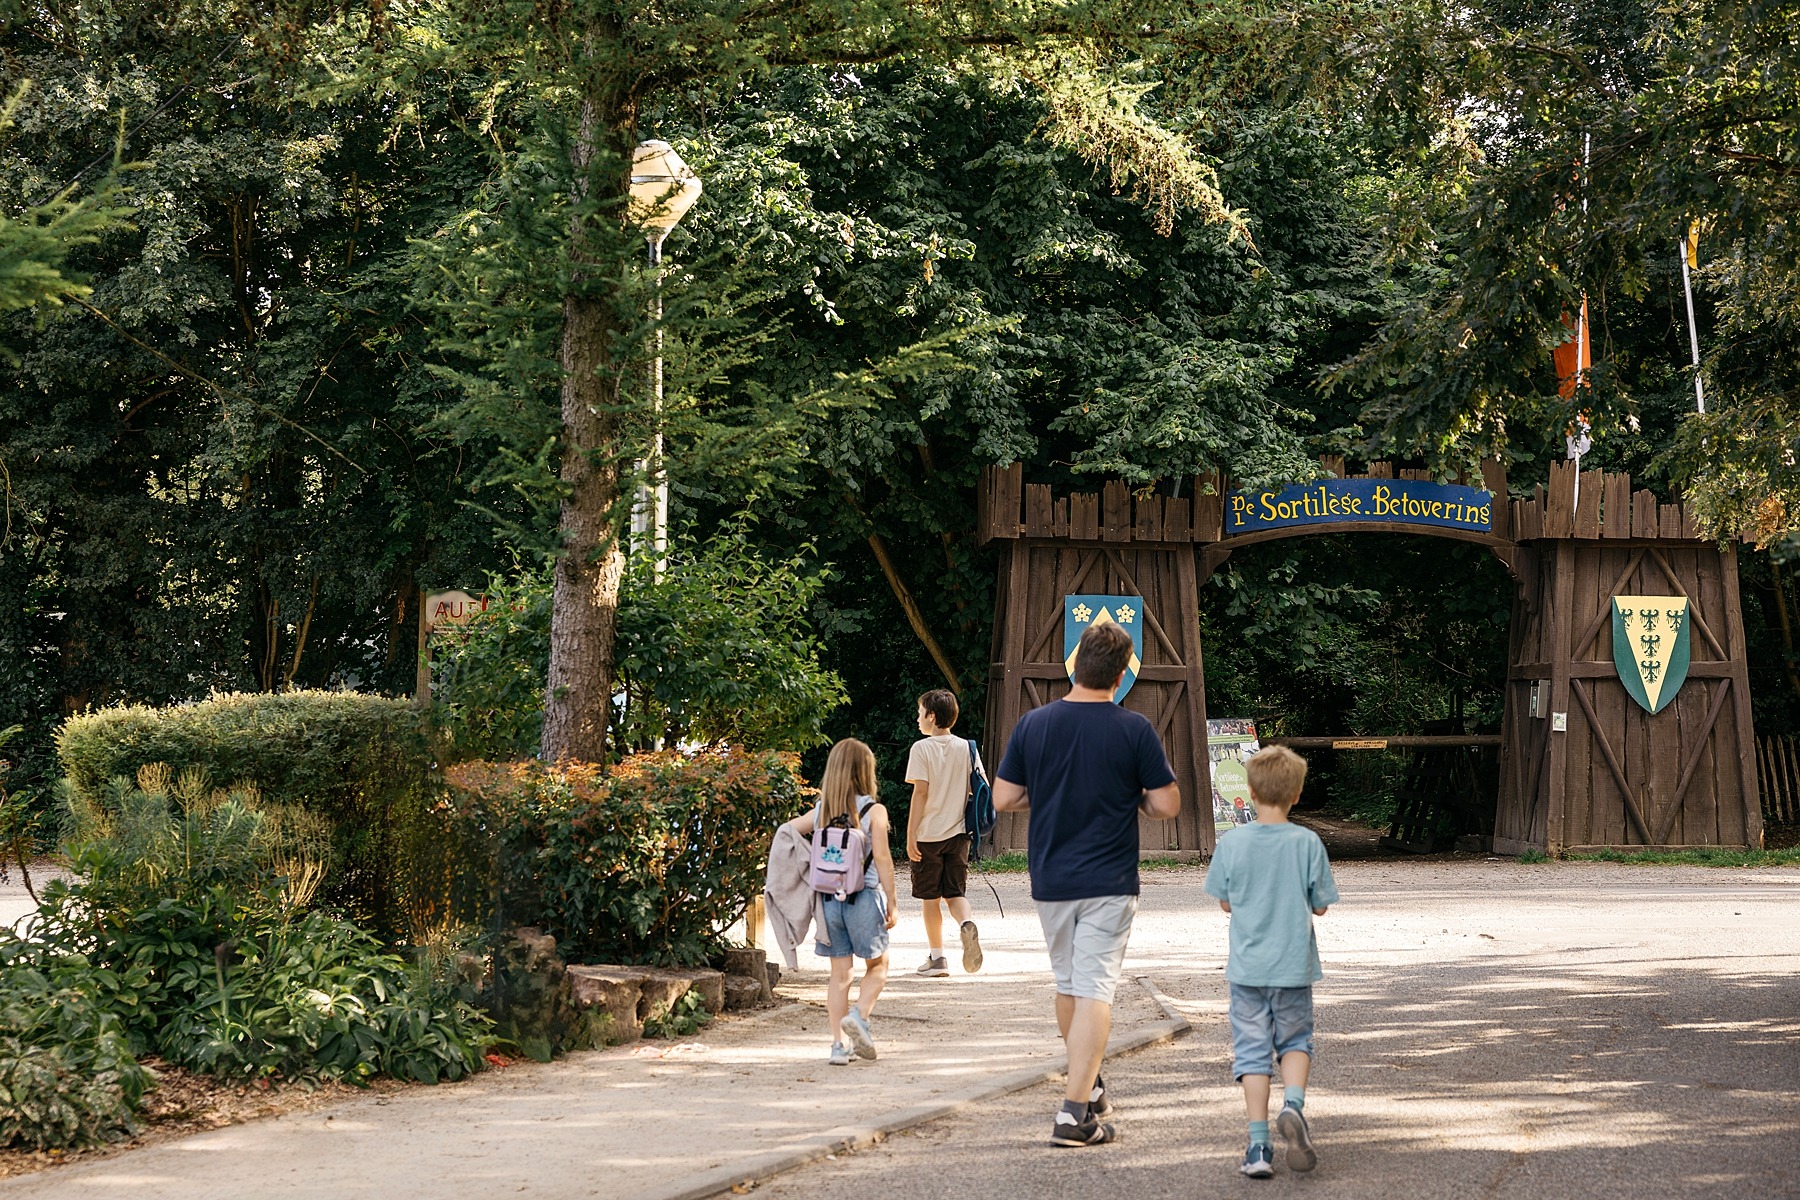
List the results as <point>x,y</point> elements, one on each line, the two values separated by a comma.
<point>934,968</point>
<point>840,1054</point>
<point>1292,1124</point>
<point>971,940</point>
<point>856,1031</point>
<point>1099,1104</point>
<point>1259,1161</point>
<point>1091,1132</point>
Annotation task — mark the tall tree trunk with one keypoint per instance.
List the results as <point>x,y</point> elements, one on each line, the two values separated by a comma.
<point>591,563</point>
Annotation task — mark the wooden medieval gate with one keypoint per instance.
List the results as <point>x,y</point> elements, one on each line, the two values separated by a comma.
<point>1583,764</point>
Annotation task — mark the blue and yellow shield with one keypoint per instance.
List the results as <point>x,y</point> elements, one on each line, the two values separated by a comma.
<point>1650,647</point>
<point>1079,612</point>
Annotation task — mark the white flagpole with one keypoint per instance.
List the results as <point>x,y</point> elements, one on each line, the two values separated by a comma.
<point>1687,289</point>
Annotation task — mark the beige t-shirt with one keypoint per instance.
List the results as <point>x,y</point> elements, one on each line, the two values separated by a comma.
<point>941,763</point>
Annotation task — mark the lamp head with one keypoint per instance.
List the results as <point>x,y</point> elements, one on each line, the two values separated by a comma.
<point>663,188</point>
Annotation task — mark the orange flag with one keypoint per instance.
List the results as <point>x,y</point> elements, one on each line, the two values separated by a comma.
<point>1573,356</point>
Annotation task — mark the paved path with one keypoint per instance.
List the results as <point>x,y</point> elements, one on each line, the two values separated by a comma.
<point>1487,1029</point>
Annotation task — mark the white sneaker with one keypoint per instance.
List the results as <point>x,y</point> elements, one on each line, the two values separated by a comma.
<point>840,1054</point>
<point>855,1028</point>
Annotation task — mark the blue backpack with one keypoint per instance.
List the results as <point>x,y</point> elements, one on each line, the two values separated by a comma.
<point>978,814</point>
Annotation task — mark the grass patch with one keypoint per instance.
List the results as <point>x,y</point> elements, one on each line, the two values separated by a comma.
<point>1694,858</point>
<point>1013,862</point>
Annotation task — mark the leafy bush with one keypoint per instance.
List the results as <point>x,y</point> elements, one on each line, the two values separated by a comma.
<point>362,764</point>
<point>684,1018</point>
<point>721,649</point>
<point>67,1074</point>
<point>649,862</point>
<point>189,901</point>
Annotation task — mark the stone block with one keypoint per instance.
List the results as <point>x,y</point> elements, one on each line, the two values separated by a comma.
<point>741,992</point>
<point>751,963</point>
<point>617,992</point>
<point>663,986</point>
<point>773,971</point>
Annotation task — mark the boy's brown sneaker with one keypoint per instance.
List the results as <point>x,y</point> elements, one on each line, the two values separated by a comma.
<point>971,942</point>
<point>933,968</point>
<point>1069,1132</point>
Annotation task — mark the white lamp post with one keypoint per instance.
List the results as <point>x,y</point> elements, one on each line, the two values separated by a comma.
<point>663,188</point>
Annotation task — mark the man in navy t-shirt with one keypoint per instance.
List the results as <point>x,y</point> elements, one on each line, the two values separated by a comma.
<point>1084,768</point>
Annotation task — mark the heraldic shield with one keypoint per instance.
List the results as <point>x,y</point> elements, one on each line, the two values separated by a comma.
<point>1079,612</point>
<point>1650,647</point>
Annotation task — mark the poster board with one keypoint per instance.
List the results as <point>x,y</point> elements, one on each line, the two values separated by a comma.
<point>1229,741</point>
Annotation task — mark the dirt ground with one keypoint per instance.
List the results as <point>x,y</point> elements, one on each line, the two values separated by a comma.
<point>1487,1028</point>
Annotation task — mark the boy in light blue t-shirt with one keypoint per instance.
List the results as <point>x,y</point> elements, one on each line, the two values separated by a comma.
<point>1273,877</point>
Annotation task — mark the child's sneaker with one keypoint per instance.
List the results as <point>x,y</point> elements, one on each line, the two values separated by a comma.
<point>971,943</point>
<point>1091,1132</point>
<point>856,1031</point>
<point>1259,1161</point>
<point>840,1054</point>
<point>934,968</point>
<point>1292,1124</point>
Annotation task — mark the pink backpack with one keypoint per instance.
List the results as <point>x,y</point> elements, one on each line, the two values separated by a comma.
<point>840,856</point>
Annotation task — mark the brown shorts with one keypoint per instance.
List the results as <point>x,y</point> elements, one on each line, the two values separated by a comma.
<point>942,872</point>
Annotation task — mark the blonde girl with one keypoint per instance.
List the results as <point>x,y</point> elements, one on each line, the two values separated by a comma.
<point>856,926</point>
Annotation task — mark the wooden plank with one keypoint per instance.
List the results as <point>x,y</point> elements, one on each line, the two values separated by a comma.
<point>1333,463</point>
<point>1557,622</point>
<point>1644,519</point>
<point>1669,521</point>
<point>1209,509</point>
<point>1493,477</point>
<point>1390,742</point>
<point>1587,504</point>
<point>1010,501</point>
<point>1694,740</point>
<point>1196,828</point>
<point>1040,511</point>
<point>1582,646</point>
<point>1060,519</point>
<point>1379,470</point>
<point>984,506</point>
<point>1084,517</point>
<point>1612,763</point>
<point>1742,728</point>
<point>1416,475</point>
<point>1689,530</point>
<point>1616,506</point>
<point>1559,502</point>
<point>1115,511</point>
<point>1177,527</point>
<point>1148,526</point>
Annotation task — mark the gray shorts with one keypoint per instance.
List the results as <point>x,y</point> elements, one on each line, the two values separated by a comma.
<point>1087,943</point>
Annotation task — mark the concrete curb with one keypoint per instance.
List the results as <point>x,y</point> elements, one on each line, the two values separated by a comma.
<point>855,1137</point>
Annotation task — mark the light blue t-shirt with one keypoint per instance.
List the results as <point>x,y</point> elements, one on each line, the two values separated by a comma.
<point>1273,876</point>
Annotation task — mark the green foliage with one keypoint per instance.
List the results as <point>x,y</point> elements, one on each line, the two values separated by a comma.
<point>1531,855</point>
<point>685,1018</point>
<point>648,862</point>
<point>721,649</point>
<point>361,764</point>
<point>1698,857</point>
<point>192,902</point>
<point>67,1074</point>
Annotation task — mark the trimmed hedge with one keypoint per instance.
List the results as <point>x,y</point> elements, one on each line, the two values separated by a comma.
<point>364,763</point>
<point>648,862</point>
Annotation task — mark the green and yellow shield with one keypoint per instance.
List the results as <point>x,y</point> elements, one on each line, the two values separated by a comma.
<point>1650,647</point>
<point>1079,612</point>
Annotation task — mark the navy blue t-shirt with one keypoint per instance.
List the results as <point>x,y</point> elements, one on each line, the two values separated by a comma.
<point>1086,767</point>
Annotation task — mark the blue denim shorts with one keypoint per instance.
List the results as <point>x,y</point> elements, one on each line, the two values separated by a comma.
<point>856,926</point>
<point>1266,1023</point>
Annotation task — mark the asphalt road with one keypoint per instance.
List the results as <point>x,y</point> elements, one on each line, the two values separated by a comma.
<point>1485,1030</point>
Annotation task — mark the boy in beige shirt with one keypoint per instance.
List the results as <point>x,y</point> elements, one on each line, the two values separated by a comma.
<point>937,843</point>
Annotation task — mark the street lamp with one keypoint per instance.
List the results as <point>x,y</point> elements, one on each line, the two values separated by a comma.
<point>663,188</point>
